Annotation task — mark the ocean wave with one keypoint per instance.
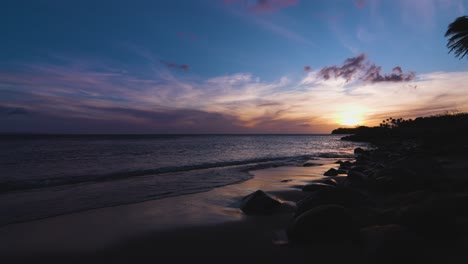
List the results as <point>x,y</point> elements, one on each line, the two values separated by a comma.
<point>8,186</point>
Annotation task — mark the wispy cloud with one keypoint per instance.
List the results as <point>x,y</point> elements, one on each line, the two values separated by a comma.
<point>251,11</point>
<point>187,35</point>
<point>172,65</point>
<point>10,111</point>
<point>422,14</point>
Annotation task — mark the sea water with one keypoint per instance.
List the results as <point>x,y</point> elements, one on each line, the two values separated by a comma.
<point>42,176</point>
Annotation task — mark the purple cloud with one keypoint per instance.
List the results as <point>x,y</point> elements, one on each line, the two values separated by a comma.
<point>307,68</point>
<point>186,35</point>
<point>360,4</point>
<point>172,65</point>
<point>373,75</point>
<point>352,67</point>
<point>263,6</point>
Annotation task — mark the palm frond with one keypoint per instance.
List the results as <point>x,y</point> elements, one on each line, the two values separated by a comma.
<point>458,33</point>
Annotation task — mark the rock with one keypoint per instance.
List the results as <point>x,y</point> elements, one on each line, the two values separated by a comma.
<point>258,203</point>
<point>359,168</point>
<point>288,180</point>
<point>309,164</point>
<point>341,171</point>
<point>432,218</point>
<point>356,179</point>
<point>391,244</point>
<point>323,224</point>
<point>329,181</point>
<point>316,186</point>
<point>331,172</point>
<point>341,196</point>
<point>406,174</point>
<point>338,162</point>
<point>365,216</point>
<point>359,151</point>
<point>346,165</point>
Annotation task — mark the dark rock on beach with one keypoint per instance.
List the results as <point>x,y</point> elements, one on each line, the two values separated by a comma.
<point>346,165</point>
<point>329,223</point>
<point>258,203</point>
<point>356,179</point>
<point>331,172</point>
<point>341,196</point>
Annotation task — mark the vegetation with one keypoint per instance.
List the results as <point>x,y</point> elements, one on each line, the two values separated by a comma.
<point>458,33</point>
<point>439,133</point>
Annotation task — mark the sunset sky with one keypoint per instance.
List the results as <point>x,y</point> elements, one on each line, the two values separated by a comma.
<point>225,66</point>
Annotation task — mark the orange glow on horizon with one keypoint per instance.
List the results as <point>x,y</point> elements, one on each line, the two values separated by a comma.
<point>351,117</point>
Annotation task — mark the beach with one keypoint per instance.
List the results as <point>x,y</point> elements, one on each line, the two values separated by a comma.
<point>387,205</point>
<point>205,225</point>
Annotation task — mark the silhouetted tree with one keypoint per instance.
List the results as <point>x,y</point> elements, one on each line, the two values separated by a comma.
<point>458,33</point>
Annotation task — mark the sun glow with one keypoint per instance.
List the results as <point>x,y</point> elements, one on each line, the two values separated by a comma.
<point>351,118</point>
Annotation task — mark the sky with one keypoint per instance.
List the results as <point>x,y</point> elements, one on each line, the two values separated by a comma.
<point>225,66</point>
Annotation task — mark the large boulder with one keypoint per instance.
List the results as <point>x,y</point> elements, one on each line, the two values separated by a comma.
<point>356,179</point>
<point>406,174</point>
<point>346,197</point>
<point>258,202</point>
<point>323,224</point>
<point>432,218</point>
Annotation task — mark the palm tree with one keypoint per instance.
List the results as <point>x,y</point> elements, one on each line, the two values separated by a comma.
<point>458,32</point>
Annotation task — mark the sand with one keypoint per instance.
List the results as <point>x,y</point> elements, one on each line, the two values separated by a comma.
<point>206,227</point>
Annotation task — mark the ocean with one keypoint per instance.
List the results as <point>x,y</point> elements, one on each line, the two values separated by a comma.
<point>43,176</point>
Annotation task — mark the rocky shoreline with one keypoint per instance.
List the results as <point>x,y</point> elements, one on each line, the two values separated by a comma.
<point>395,203</point>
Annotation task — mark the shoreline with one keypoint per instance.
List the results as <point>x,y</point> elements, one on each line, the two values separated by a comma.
<point>100,230</point>
<point>15,201</point>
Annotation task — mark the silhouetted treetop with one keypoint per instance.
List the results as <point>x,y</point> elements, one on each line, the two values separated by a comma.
<point>458,33</point>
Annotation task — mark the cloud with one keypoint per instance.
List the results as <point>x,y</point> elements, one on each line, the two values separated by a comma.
<point>422,15</point>
<point>172,65</point>
<point>330,18</point>
<point>82,99</point>
<point>10,111</point>
<point>360,4</point>
<point>262,6</point>
<point>358,66</point>
<point>373,75</point>
<point>307,68</point>
<point>268,104</point>
<point>186,35</point>
<point>350,68</point>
